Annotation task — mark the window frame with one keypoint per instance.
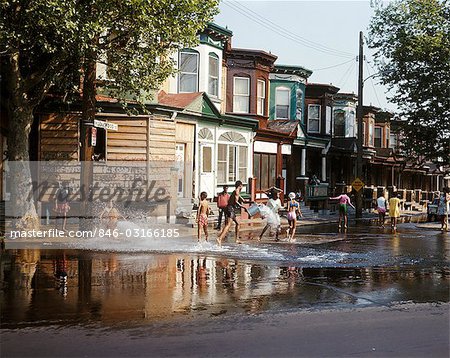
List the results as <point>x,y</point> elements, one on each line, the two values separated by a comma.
<point>241,95</point>
<point>283,89</point>
<point>375,138</point>
<point>318,119</point>
<point>337,116</point>
<point>260,99</point>
<point>189,52</point>
<point>214,56</point>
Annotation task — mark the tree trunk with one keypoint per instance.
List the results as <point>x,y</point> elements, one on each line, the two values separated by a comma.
<point>20,114</point>
<point>87,150</point>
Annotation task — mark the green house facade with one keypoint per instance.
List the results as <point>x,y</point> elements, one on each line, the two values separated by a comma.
<point>287,92</point>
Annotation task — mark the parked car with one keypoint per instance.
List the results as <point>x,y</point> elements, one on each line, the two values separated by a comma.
<point>432,210</point>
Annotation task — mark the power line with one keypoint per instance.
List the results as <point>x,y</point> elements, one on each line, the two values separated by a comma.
<point>373,86</point>
<point>282,32</point>
<point>346,75</point>
<point>318,45</point>
<point>340,64</point>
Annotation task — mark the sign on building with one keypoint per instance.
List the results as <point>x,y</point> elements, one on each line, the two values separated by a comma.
<point>106,125</point>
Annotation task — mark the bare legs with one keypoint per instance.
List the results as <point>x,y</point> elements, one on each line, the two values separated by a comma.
<point>291,231</point>
<point>226,228</point>
<point>199,232</point>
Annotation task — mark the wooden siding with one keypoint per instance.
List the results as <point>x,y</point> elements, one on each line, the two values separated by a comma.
<point>58,137</point>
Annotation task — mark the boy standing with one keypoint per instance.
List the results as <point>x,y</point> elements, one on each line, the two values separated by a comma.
<point>234,203</point>
<point>202,216</point>
<point>222,202</point>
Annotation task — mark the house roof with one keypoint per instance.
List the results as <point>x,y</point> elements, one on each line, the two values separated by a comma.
<point>178,100</point>
<point>246,52</point>
<point>218,30</point>
<point>291,69</point>
<point>314,89</point>
<point>283,126</point>
<point>199,104</point>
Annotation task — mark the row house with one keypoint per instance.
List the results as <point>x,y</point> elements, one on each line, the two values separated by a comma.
<point>249,94</point>
<point>222,140</point>
<point>287,108</point>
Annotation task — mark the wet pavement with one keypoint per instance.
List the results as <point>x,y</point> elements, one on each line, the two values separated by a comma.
<point>134,282</point>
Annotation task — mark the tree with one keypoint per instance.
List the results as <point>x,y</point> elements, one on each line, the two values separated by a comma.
<point>44,42</point>
<point>412,43</point>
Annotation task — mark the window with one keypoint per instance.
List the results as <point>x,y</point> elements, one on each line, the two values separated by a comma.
<point>264,166</point>
<point>213,78</point>
<point>393,141</point>
<point>370,135</point>
<point>387,137</point>
<point>365,134</point>
<point>299,104</point>
<point>328,121</point>
<point>261,93</point>
<point>188,78</point>
<point>378,137</point>
<point>231,158</point>
<point>241,95</point>
<point>314,118</point>
<point>282,99</point>
<point>339,123</point>
<point>350,126</point>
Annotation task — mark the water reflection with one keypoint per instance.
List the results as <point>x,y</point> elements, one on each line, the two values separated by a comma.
<point>68,286</point>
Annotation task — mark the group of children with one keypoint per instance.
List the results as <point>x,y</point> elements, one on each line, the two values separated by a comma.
<point>228,205</point>
<point>382,208</point>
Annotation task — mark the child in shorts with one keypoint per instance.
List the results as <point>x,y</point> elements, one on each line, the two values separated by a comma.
<point>293,209</point>
<point>202,216</point>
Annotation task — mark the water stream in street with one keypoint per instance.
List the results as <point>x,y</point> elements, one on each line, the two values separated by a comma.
<point>134,281</point>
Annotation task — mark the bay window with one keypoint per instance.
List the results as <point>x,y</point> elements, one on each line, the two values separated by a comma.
<point>261,94</point>
<point>188,76</point>
<point>241,95</point>
<point>378,137</point>
<point>282,99</point>
<point>314,118</point>
<point>213,75</point>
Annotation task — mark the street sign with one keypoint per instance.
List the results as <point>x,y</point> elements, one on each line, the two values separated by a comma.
<point>106,125</point>
<point>93,136</point>
<point>357,184</point>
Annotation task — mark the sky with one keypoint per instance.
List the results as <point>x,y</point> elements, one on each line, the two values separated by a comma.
<point>322,36</point>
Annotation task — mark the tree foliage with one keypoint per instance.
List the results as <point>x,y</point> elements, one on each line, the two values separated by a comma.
<point>412,43</point>
<point>46,44</point>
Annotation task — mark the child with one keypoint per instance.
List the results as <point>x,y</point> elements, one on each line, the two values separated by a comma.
<point>274,204</point>
<point>344,200</point>
<point>293,209</point>
<point>234,202</point>
<point>112,216</point>
<point>394,210</point>
<point>62,204</point>
<point>202,216</point>
<point>381,208</point>
<point>222,202</point>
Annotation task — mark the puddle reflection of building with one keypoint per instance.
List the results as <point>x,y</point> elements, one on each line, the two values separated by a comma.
<point>20,283</point>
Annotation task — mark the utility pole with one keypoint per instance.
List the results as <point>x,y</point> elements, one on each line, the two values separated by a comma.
<point>359,118</point>
<point>87,148</point>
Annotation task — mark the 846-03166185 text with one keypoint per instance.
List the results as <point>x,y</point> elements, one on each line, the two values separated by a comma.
<point>147,233</point>
<point>96,232</point>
